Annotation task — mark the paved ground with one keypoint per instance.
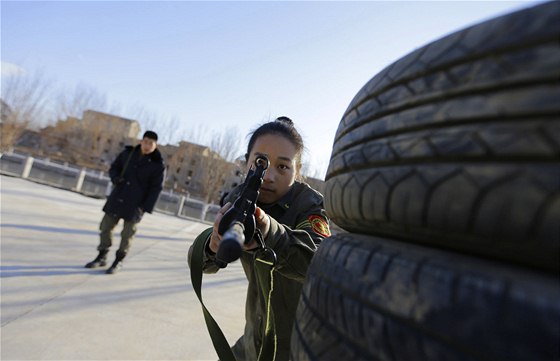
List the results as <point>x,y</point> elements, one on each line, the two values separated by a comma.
<point>54,309</point>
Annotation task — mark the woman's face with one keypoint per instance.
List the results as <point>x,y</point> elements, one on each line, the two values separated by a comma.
<point>283,168</point>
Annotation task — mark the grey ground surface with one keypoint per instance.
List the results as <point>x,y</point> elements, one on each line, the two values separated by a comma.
<point>52,308</point>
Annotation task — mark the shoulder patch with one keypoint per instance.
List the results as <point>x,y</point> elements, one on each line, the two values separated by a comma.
<point>319,225</point>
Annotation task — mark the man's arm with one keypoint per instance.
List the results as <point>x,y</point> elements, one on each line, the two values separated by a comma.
<point>117,167</point>
<point>154,189</point>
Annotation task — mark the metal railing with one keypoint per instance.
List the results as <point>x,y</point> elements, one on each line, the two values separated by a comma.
<point>96,184</point>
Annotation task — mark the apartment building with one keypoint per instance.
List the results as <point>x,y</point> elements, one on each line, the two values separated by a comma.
<point>198,170</point>
<point>95,139</point>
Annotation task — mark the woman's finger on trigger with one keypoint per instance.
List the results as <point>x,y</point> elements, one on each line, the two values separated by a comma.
<point>260,215</point>
<point>225,208</point>
<point>220,214</point>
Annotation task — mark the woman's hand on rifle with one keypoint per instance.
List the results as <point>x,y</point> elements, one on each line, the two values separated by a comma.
<point>261,218</point>
<point>215,238</point>
<point>263,222</point>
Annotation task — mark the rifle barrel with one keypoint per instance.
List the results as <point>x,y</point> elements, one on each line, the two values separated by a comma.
<point>231,245</point>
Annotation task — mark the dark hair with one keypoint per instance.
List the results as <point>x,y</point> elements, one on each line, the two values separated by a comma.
<point>150,134</point>
<point>283,126</point>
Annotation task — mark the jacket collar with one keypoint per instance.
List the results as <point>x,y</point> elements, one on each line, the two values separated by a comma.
<point>283,204</point>
<point>155,156</point>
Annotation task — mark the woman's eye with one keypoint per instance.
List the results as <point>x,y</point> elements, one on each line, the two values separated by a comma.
<point>283,167</point>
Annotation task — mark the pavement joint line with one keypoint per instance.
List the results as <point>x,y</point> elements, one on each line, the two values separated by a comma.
<point>33,309</point>
<point>48,310</point>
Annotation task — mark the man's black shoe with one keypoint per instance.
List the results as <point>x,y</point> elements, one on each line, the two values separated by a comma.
<point>99,261</point>
<point>117,264</point>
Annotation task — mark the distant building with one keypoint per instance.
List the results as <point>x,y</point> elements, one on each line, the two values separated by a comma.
<point>5,111</point>
<point>236,177</point>
<point>95,139</point>
<point>109,133</point>
<point>182,164</point>
<point>197,170</point>
<point>107,123</point>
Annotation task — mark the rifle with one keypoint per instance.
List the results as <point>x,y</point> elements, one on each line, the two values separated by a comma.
<point>238,225</point>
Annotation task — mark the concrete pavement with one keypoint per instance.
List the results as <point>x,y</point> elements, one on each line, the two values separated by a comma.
<point>52,308</point>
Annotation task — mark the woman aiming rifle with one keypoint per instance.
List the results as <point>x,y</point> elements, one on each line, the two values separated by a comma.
<point>291,219</point>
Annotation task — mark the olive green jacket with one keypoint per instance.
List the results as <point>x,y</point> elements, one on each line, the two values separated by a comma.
<point>298,225</point>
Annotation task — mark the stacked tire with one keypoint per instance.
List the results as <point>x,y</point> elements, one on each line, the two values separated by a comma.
<point>445,173</point>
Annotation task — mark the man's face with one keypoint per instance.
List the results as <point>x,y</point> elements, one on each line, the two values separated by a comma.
<point>148,145</point>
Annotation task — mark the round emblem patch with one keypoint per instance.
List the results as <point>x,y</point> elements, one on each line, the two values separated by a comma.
<point>319,225</point>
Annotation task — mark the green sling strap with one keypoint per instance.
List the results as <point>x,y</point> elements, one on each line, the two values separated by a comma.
<point>126,163</point>
<point>218,339</point>
<point>264,269</point>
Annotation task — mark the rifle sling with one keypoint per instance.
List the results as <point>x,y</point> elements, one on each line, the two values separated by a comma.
<point>218,339</point>
<point>264,270</point>
<point>126,163</point>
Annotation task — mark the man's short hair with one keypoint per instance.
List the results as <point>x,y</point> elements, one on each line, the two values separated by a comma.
<point>150,134</point>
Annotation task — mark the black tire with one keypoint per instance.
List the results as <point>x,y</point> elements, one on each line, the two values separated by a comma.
<point>366,298</point>
<point>457,144</point>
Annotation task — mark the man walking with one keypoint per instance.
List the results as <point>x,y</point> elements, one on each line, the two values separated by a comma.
<point>137,175</point>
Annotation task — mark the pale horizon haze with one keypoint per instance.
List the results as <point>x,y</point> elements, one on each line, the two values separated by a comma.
<point>214,65</point>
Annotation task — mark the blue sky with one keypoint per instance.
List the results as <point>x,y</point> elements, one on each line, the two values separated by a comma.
<point>218,64</point>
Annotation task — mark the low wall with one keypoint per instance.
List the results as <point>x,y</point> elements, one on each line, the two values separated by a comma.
<point>97,184</point>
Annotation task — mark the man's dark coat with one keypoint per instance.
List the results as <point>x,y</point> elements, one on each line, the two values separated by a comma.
<point>137,189</point>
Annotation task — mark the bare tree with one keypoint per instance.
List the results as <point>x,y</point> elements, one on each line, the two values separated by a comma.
<point>312,167</point>
<point>208,166</point>
<point>147,119</point>
<point>165,126</point>
<point>311,173</point>
<point>218,166</point>
<point>216,171</point>
<point>74,103</point>
<point>70,133</point>
<point>227,143</point>
<point>195,134</point>
<point>24,103</point>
